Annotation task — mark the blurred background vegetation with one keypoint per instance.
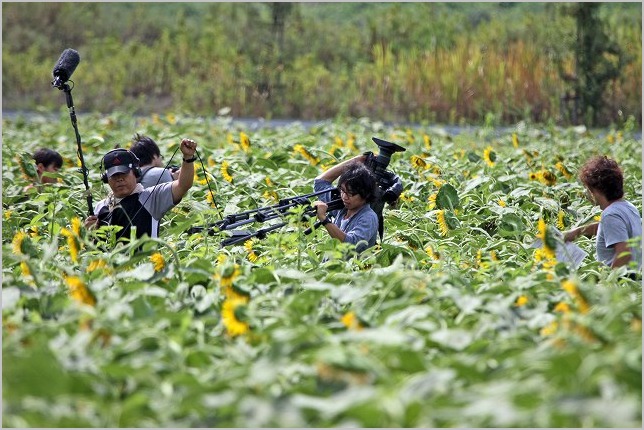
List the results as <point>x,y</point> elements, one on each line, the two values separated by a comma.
<point>453,63</point>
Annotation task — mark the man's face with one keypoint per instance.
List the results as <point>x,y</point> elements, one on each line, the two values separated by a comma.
<point>351,200</point>
<point>51,169</point>
<point>122,184</point>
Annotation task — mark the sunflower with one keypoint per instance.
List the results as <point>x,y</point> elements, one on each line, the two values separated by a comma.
<point>409,135</point>
<point>430,252</point>
<point>96,264</point>
<point>33,231</point>
<point>72,243</point>
<point>306,154</point>
<point>76,226</point>
<point>442,223</point>
<point>489,156</point>
<point>233,315</point>
<point>24,269</point>
<point>17,241</point>
<point>427,141</point>
<point>418,163</point>
<point>571,288</point>
<point>79,291</point>
<point>521,301</point>
<point>501,203</point>
<point>549,243</point>
<point>560,220</point>
<point>225,173</point>
<point>547,177</point>
<point>270,195</point>
<point>515,140</point>
<point>227,276</point>
<point>550,329</point>
<point>158,261</point>
<point>405,198</point>
<point>560,166</point>
<point>210,198</point>
<point>244,140</point>
<point>431,201</point>
<point>562,307</point>
<point>248,246</point>
<point>351,321</point>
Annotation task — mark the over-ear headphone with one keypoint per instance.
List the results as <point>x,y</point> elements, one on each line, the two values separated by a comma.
<point>135,163</point>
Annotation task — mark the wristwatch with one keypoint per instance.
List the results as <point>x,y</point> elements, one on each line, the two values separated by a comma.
<point>325,221</point>
<point>189,160</point>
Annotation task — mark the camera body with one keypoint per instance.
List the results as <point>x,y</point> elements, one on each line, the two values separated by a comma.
<point>173,168</point>
<point>388,182</point>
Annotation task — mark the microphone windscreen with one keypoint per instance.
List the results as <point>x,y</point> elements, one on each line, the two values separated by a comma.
<point>66,64</point>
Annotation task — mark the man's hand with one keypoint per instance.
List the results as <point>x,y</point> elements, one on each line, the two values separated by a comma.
<point>91,222</point>
<point>188,148</point>
<point>321,208</point>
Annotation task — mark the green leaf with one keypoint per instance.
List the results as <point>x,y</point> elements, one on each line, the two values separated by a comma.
<point>447,198</point>
<point>511,225</point>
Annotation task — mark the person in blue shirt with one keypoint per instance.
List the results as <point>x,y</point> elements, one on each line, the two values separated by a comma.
<point>356,223</point>
<point>619,231</point>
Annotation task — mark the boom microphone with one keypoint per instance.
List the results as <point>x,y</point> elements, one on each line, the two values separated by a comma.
<point>65,66</point>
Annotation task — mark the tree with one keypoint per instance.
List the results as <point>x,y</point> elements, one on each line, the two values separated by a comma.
<point>598,60</point>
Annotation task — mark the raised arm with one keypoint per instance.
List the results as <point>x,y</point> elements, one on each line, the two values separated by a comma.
<point>181,185</point>
<point>334,172</point>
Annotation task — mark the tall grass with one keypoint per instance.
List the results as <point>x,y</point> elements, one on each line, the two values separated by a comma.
<point>353,71</point>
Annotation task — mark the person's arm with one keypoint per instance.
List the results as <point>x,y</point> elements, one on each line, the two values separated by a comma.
<point>333,230</point>
<point>588,230</point>
<point>334,172</point>
<point>622,255</point>
<point>181,185</point>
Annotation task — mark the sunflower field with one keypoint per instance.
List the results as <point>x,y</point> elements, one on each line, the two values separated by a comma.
<point>453,320</point>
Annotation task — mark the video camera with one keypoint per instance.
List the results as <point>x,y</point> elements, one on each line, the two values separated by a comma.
<point>378,164</point>
<point>388,182</point>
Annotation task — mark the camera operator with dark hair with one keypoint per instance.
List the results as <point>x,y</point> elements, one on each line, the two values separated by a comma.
<point>149,155</point>
<point>356,223</point>
<point>129,203</point>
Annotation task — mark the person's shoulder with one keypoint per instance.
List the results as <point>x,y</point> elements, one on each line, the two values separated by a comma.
<point>163,187</point>
<point>369,212</point>
<point>620,206</point>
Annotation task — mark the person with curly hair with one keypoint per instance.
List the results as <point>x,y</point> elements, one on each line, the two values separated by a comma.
<point>619,231</point>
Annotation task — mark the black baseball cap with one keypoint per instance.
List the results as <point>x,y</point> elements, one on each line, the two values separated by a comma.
<point>120,161</point>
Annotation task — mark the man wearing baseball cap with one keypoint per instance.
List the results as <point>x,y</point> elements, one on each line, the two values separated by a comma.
<point>129,204</point>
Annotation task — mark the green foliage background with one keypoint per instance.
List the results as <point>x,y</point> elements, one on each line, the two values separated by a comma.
<point>461,328</point>
<point>466,63</point>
